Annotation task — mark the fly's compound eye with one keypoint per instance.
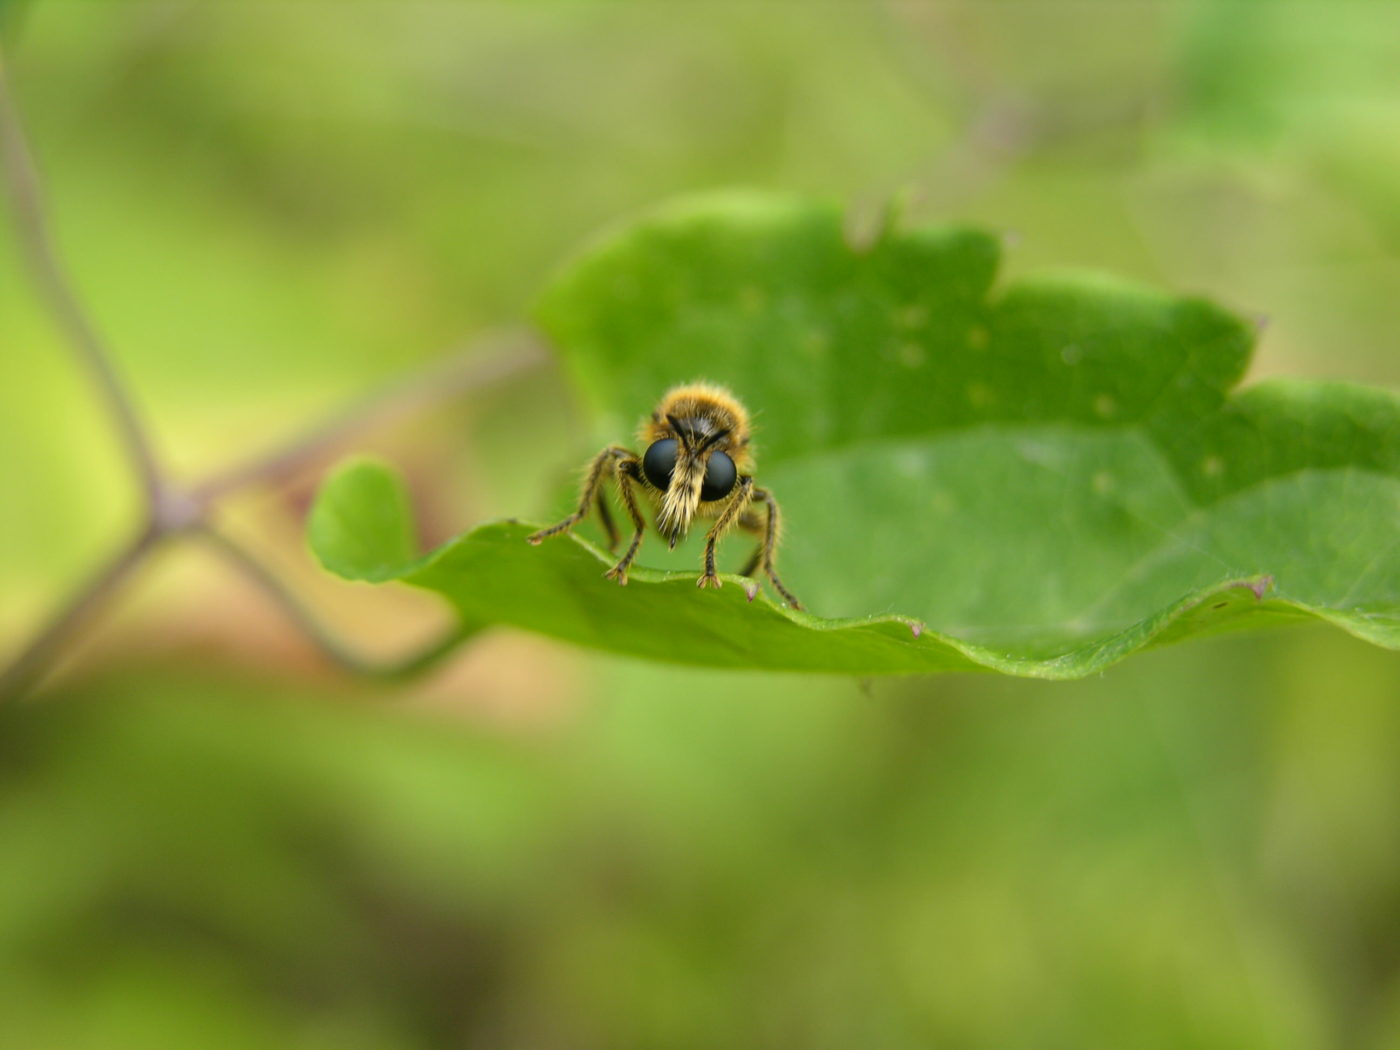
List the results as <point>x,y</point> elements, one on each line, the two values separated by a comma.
<point>659,461</point>
<point>720,475</point>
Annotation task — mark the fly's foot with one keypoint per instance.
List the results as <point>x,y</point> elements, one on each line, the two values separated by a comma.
<point>709,579</point>
<point>618,573</point>
<point>536,538</point>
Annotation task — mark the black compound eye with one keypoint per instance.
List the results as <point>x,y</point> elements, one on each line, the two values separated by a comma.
<point>659,461</point>
<point>720,475</point>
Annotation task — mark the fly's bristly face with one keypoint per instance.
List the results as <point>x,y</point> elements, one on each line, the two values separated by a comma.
<point>697,446</point>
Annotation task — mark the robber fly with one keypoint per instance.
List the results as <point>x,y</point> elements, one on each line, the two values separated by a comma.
<point>698,464</point>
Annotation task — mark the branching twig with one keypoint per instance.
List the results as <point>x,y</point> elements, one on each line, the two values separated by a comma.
<point>45,647</point>
<point>36,243</point>
<point>325,640</point>
<point>171,510</point>
<point>457,374</point>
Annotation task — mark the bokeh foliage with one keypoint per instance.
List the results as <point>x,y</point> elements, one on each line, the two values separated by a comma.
<point>271,206</point>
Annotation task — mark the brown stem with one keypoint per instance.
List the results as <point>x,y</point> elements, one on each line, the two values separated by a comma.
<point>56,289</point>
<point>325,640</point>
<point>43,649</point>
<point>455,375</point>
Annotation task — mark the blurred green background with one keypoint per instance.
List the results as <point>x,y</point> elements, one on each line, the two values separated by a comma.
<point>208,838</point>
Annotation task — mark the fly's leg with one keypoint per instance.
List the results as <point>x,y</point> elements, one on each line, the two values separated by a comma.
<point>591,491</point>
<point>750,522</point>
<point>627,471</point>
<point>605,516</point>
<point>768,546</point>
<point>727,517</point>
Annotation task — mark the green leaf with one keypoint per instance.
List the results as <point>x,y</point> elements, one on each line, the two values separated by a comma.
<point>1038,480</point>
<point>361,525</point>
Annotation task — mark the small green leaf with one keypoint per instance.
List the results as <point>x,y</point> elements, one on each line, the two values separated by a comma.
<point>361,525</point>
<point>1039,480</point>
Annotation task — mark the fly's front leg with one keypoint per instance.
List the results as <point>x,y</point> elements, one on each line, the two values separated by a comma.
<point>768,546</point>
<point>727,517</point>
<point>591,482</point>
<point>628,471</point>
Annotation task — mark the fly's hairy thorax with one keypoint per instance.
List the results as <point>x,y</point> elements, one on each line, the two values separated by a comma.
<point>703,411</point>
